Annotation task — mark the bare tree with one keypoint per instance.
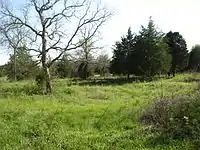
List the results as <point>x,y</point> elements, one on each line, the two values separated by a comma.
<point>86,53</point>
<point>12,37</point>
<point>56,24</point>
<point>103,64</point>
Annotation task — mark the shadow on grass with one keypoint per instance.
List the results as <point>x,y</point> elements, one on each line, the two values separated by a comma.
<point>111,81</point>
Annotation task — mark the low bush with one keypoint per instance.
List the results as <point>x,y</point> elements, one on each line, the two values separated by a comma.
<point>177,118</point>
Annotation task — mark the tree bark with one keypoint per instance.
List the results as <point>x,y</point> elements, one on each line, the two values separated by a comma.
<point>47,87</point>
<point>15,65</point>
<point>47,76</point>
<point>86,70</point>
<point>47,81</point>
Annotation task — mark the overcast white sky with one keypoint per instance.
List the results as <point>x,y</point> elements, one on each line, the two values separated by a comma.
<point>177,15</point>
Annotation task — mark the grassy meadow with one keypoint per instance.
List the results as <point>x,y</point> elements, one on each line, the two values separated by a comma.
<point>83,116</point>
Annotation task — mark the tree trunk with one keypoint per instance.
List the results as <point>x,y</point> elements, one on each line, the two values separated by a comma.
<point>86,70</point>
<point>47,76</point>
<point>15,65</point>
<point>48,89</point>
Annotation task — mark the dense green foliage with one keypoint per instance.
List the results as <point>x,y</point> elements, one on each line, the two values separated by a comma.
<point>194,58</point>
<point>121,62</point>
<point>178,50</point>
<point>151,51</point>
<point>142,54</point>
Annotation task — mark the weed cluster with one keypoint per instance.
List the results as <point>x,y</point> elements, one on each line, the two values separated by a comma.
<point>176,118</point>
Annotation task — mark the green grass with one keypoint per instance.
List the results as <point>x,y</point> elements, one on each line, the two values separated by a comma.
<point>85,117</point>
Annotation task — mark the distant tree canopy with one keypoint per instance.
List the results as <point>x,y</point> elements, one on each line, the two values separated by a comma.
<point>194,58</point>
<point>102,64</point>
<point>83,66</point>
<point>63,67</point>
<point>25,66</point>
<point>85,58</point>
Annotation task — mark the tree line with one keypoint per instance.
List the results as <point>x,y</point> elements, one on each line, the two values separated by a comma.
<point>147,53</point>
<point>35,36</point>
<point>66,67</point>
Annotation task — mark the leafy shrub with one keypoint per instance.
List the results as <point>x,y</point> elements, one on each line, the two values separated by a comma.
<point>178,118</point>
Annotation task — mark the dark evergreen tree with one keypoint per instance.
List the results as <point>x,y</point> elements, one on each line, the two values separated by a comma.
<point>129,48</point>
<point>194,58</point>
<point>150,53</point>
<point>122,61</point>
<point>143,54</point>
<point>118,59</point>
<point>178,50</point>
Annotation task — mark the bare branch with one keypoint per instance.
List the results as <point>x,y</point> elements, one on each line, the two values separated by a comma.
<point>18,21</point>
<point>13,36</point>
<point>46,6</point>
<point>35,50</point>
<point>54,45</point>
<point>55,18</point>
<point>50,34</point>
